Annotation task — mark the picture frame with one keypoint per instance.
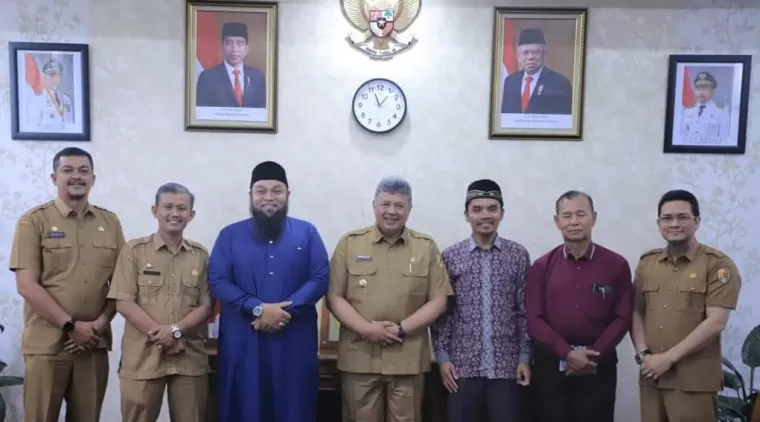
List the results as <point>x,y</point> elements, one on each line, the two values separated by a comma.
<point>50,91</point>
<point>329,329</point>
<point>549,43</point>
<point>231,66</point>
<point>707,104</point>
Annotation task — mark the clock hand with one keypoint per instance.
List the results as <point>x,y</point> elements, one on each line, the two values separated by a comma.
<point>381,102</point>
<point>377,101</point>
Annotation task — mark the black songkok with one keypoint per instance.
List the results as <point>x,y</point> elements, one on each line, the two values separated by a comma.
<point>268,170</point>
<point>531,36</point>
<point>235,29</point>
<point>483,188</point>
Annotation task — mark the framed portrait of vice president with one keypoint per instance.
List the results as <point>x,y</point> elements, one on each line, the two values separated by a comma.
<point>231,69</point>
<point>537,73</point>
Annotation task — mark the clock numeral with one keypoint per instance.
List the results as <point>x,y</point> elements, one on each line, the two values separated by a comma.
<point>398,106</point>
<point>371,89</point>
<point>365,96</point>
<point>362,116</point>
<point>369,120</point>
<point>359,104</point>
<point>394,116</point>
<point>378,124</point>
<point>388,122</point>
<point>395,97</point>
<point>380,87</point>
<point>391,91</point>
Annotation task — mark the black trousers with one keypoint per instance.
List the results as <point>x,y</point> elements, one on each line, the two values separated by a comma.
<point>557,397</point>
<point>485,400</point>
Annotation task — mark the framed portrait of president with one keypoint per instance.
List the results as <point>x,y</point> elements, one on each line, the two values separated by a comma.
<point>231,69</point>
<point>537,73</point>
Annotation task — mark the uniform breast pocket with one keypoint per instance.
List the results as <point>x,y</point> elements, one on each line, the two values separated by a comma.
<point>57,254</point>
<point>149,289</point>
<point>417,278</point>
<point>362,280</point>
<point>650,292</point>
<point>190,291</point>
<point>691,297</point>
<point>105,253</point>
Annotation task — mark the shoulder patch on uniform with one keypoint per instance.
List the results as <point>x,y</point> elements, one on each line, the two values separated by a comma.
<point>651,252</point>
<point>724,275</point>
<point>99,208</point>
<point>359,232</point>
<point>720,105</point>
<point>196,245</point>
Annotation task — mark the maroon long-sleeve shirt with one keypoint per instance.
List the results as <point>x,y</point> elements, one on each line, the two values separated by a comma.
<point>579,302</point>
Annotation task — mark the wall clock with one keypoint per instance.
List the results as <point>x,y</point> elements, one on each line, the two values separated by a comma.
<point>379,105</point>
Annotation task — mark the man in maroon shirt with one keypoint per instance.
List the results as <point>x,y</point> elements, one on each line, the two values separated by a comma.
<point>579,304</point>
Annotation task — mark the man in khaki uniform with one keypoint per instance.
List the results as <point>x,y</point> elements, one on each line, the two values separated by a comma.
<point>161,288</point>
<point>684,295</point>
<point>63,255</point>
<point>387,285</point>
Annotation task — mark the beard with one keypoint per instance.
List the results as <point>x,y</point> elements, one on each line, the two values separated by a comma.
<point>269,227</point>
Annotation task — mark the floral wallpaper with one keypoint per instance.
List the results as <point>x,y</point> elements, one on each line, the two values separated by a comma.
<point>137,92</point>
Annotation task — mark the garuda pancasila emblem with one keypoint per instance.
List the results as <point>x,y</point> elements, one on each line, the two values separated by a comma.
<point>381,23</point>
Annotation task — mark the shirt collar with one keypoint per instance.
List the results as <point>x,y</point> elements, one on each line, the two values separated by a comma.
<point>377,236</point>
<point>498,243</point>
<point>158,242</point>
<point>535,76</point>
<point>691,253</point>
<point>587,256</point>
<point>66,211</point>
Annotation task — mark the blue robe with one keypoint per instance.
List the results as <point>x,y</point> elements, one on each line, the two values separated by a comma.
<point>268,377</point>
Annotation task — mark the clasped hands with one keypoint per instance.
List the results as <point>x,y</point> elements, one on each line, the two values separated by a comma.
<point>163,338</point>
<point>86,335</point>
<point>381,332</point>
<point>653,366</point>
<point>579,362</point>
<point>273,317</point>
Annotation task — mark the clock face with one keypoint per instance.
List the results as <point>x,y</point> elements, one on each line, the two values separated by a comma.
<point>379,105</point>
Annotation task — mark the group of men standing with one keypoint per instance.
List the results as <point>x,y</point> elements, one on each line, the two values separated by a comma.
<point>498,322</point>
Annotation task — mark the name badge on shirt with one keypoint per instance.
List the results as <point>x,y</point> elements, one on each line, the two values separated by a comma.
<point>151,272</point>
<point>363,258</point>
<point>54,234</point>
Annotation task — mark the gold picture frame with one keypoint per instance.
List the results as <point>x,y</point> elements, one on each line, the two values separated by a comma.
<point>329,329</point>
<point>537,73</point>
<point>231,66</point>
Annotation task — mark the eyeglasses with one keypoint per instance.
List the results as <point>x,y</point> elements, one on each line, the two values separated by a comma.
<point>681,218</point>
<point>483,193</point>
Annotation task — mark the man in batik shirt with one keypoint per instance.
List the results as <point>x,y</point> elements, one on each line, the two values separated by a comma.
<point>481,342</point>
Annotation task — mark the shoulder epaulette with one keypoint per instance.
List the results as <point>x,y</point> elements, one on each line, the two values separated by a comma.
<point>138,241</point>
<point>27,215</point>
<point>359,232</point>
<point>196,245</point>
<point>712,251</point>
<point>97,207</point>
<point>419,235</point>
<point>720,105</point>
<point>650,252</point>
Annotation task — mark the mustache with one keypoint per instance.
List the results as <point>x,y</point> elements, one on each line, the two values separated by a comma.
<point>77,182</point>
<point>269,226</point>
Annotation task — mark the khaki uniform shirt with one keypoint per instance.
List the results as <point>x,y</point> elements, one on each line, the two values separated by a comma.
<point>168,286</point>
<point>386,282</point>
<point>673,297</point>
<point>74,257</point>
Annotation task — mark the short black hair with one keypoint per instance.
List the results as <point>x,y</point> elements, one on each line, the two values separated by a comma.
<point>679,195</point>
<point>572,194</point>
<point>71,152</point>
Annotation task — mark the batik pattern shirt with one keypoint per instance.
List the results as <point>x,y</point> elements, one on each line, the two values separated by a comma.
<point>484,331</point>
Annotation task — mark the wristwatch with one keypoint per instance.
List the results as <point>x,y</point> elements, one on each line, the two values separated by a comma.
<point>401,332</point>
<point>257,311</point>
<point>68,326</point>
<point>176,332</point>
<point>639,358</point>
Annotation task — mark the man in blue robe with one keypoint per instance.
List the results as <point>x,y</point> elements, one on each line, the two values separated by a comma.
<point>268,272</point>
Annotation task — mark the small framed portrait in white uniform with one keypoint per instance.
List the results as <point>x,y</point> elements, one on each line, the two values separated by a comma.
<point>50,92</point>
<point>708,98</point>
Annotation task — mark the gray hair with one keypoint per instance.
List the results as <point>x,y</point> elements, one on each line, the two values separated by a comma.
<point>394,184</point>
<point>174,188</point>
<point>572,194</point>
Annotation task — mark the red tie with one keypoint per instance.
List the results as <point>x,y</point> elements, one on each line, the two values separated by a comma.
<point>238,88</point>
<point>526,94</point>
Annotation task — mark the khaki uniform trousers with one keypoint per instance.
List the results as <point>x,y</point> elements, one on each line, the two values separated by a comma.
<point>666,405</point>
<point>187,396</point>
<point>79,379</point>
<point>382,398</point>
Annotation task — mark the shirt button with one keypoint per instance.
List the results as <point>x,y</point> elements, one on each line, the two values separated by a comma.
<point>664,306</point>
<point>576,306</point>
<point>661,327</point>
<point>670,288</point>
<point>662,349</point>
<point>271,256</point>
<point>675,268</point>
<point>271,273</point>
<point>270,242</point>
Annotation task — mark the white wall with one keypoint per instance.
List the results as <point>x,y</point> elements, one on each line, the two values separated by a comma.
<point>137,57</point>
